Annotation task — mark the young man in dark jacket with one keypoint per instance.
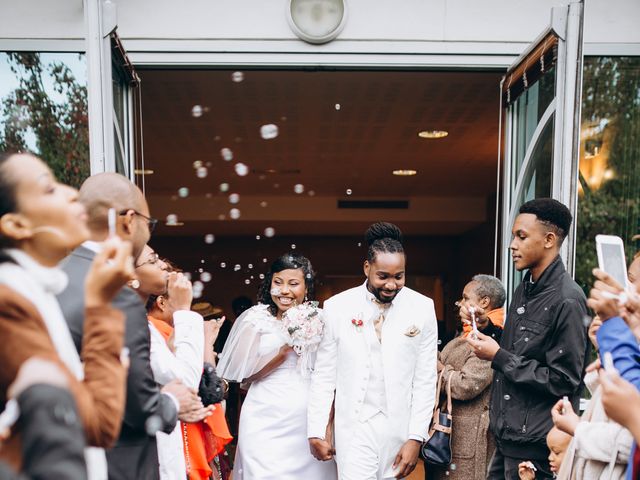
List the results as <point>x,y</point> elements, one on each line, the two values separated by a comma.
<point>541,356</point>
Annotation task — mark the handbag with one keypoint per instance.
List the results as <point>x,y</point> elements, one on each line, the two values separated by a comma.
<point>212,388</point>
<point>436,450</point>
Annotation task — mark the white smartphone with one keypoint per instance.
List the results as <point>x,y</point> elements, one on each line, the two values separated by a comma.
<point>611,257</point>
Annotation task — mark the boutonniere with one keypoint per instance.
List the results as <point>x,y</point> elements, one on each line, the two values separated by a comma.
<point>412,332</point>
<point>357,322</point>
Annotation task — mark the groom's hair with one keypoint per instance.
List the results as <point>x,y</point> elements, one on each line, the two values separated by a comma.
<point>383,237</point>
<point>288,261</point>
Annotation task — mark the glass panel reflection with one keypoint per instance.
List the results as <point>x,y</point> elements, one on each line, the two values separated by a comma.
<point>609,190</point>
<point>43,109</point>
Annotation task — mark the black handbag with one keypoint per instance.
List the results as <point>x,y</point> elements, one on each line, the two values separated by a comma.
<point>436,450</point>
<point>212,388</point>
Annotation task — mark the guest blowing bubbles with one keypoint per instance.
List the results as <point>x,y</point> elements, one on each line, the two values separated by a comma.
<point>40,222</point>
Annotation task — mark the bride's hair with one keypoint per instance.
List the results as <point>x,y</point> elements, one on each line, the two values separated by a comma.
<point>288,261</point>
<point>383,237</point>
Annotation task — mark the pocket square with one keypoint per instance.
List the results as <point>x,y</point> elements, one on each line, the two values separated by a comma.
<point>412,332</point>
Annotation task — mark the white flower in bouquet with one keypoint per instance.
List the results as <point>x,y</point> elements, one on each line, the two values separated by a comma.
<point>303,326</point>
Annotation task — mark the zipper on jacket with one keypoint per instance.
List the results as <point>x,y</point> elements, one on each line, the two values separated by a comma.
<point>524,425</point>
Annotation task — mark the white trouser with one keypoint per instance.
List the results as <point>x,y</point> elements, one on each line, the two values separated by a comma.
<point>369,457</point>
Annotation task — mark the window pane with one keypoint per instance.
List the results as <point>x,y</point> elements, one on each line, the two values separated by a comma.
<point>43,109</point>
<point>609,191</point>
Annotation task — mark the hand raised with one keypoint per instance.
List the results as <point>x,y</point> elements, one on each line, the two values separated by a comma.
<point>564,418</point>
<point>180,292</point>
<point>211,330</point>
<point>483,346</point>
<point>110,270</point>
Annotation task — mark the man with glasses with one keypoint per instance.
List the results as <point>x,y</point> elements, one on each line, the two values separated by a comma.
<point>148,409</point>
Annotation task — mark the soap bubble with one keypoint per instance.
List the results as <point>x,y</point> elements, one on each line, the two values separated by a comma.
<point>227,154</point>
<point>241,169</point>
<point>224,187</point>
<point>507,397</point>
<point>237,77</point>
<point>197,293</point>
<point>453,466</point>
<point>293,246</point>
<point>269,232</point>
<point>198,285</point>
<point>263,204</point>
<point>275,291</point>
<point>312,193</point>
<point>269,131</point>
<point>337,106</point>
<point>261,276</point>
<point>298,188</point>
<point>172,219</point>
<point>236,267</point>
<point>196,111</point>
<point>202,260</point>
<point>202,172</point>
<point>223,265</point>
<point>183,192</point>
<point>359,244</point>
<point>250,266</point>
<point>205,277</point>
<point>264,260</point>
<point>258,237</point>
<point>200,270</point>
<point>349,191</point>
<point>234,213</point>
<point>187,275</point>
<point>234,198</point>
<point>197,164</point>
<point>247,281</point>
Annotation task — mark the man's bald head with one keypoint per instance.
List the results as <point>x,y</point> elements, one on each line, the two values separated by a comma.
<point>103,191</point>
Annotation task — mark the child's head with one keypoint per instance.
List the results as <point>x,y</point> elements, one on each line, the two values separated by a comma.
<point>557,441</point>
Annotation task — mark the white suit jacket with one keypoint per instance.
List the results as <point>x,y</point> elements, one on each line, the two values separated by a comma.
<point>342,365</point>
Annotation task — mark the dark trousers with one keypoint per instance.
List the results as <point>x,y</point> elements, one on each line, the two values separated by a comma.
<point>506,468</point>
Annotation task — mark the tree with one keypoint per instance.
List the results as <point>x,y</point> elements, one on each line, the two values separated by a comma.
<point>61,129</point>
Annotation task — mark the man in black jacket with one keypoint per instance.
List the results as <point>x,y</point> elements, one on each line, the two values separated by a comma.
<point>148,409</point>
<point>541,356</point>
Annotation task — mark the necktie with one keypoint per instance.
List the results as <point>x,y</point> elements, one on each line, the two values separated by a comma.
<point>377,323</point>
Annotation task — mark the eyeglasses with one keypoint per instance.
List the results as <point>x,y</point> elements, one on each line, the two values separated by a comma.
<point>152,260</point>
<point>151,222</point>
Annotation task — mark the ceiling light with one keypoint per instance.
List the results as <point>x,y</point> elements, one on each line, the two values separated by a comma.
<point>146,171</point>
<point>405,173</point>
<point>176,224</point>
<point>433,133</point>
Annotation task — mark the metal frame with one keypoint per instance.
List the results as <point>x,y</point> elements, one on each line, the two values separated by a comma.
<point>566,23</point>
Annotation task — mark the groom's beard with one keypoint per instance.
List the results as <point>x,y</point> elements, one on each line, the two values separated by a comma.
<point>376,292</point>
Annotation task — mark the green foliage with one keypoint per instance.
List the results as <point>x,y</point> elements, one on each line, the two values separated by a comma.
<point>611,91</point>
<point>61,129</point>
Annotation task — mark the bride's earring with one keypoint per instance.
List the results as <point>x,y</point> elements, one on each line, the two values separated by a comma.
<point>135,284</point>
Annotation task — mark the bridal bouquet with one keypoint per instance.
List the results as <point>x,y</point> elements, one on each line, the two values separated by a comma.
<point>303,326</point>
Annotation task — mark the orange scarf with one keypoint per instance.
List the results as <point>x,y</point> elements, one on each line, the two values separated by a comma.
<point>496,317</point>
<point>203,440</point>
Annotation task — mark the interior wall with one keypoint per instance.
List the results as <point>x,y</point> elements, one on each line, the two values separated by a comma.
<point>437,266</point>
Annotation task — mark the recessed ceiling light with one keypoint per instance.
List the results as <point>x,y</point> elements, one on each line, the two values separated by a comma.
<point>433,133</point>
<point>405,173</point>
<point>146,171</point>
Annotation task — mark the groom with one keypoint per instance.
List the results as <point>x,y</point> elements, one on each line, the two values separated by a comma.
<point>378,359</point>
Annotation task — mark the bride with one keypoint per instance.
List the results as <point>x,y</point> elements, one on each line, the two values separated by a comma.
<point>272,437</point>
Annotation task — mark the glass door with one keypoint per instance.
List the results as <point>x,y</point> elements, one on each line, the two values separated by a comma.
<point>540,114</point>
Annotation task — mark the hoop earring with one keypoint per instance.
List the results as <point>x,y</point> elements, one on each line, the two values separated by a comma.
<point>306,298</point>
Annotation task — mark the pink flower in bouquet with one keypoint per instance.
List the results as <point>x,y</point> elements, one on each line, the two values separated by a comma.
<point>304,326</point>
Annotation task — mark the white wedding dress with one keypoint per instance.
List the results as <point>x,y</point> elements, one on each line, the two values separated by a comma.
<point>272,438</point>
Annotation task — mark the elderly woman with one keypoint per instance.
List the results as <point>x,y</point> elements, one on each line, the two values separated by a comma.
<point>470,377</point>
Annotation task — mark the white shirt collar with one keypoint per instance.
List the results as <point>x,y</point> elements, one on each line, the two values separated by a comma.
<point>52,279</point>
<point>95,247</point>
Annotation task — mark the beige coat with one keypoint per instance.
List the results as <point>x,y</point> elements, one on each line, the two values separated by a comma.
<point>472,442</point>
<point>600,447</point>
